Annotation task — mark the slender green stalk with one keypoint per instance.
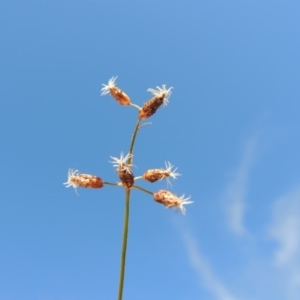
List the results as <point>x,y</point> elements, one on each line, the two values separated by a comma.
<point>134,105</point>
<point>114,184</point>
<point>143,190</point>
<point>124,245</point>
<point>133,140</point>
<point>126,219</point>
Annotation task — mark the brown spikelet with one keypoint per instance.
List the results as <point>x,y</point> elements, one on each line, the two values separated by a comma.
<point>76,179</point>
<point>124,169</point>
<point>155,174</point>
<point>151,106</point>
<point>120,96</point>
<point>171,200</point>
<point>167,198</point>
<point>127,178</point>
<point>116,92</point>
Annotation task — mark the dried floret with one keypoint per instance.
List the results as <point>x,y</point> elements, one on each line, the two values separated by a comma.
<point>161,96</point>
<point>171,200</point>
<point>116,92</point>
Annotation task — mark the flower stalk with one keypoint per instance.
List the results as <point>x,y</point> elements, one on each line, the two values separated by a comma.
<point>124,166</point>
<point>124,244</point>
<point>126,216</point>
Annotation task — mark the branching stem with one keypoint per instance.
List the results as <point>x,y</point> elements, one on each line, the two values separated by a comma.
<point>143,190</point>
<point>126,218</point>
<point>114,184</point>
<point>134,105</point>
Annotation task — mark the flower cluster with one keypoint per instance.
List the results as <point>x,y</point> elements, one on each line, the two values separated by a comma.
<point>124,164</point>
<point>161,96</point>
<point>75,179</point>
<point>153,175</point>
<point>124,170</point>
<point>171,200</point>
<point>117,93</point>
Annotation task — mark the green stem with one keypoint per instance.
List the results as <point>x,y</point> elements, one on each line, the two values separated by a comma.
<point>126,219</point>
<point>143,190</point>
<point>114,184</point>
<point>133,140</point>
<point>134,105</point>
<point>124,245</point>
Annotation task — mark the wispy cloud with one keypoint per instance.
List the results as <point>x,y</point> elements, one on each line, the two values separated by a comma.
<point>204,271</point>
<point>285,230</point>
<point>236,192</point>
<point>265,270</point>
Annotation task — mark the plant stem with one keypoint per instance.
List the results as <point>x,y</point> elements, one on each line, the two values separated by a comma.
<point>114,184</point>
<point>134,105</point>
<point>133,140</point>
<point>126,219</point>
<point>142,189</point>
<point>124,245</point>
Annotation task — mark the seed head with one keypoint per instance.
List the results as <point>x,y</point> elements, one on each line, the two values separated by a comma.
<point>171,200</point>
<point>76,179</point>
<point>117,93</point>
<point>161,96</point>
<point>124,169</point>
<point>126,178</point>
<point>159,174</point>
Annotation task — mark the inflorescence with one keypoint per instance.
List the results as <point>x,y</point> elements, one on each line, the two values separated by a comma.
<point>124,165</point>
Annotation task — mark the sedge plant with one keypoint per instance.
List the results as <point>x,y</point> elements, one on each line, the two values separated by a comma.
<point>123,165</point>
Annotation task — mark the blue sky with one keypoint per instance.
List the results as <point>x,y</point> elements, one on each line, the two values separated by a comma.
<point>231,128</point>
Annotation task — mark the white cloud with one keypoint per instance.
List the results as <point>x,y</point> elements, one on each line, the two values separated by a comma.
<point>285,230</point>
<point>205,272</point>
<point>236,192</point>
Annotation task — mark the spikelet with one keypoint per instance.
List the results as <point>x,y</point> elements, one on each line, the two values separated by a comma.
<point>158,174</point>
<point>126,178</point>
<point>76,179</point>
<point>117,93</point>
<point>161,96</point>
<point>124,170</point>
<point>171,200</point>
<point>151,107</point>
<point>154,174</point>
